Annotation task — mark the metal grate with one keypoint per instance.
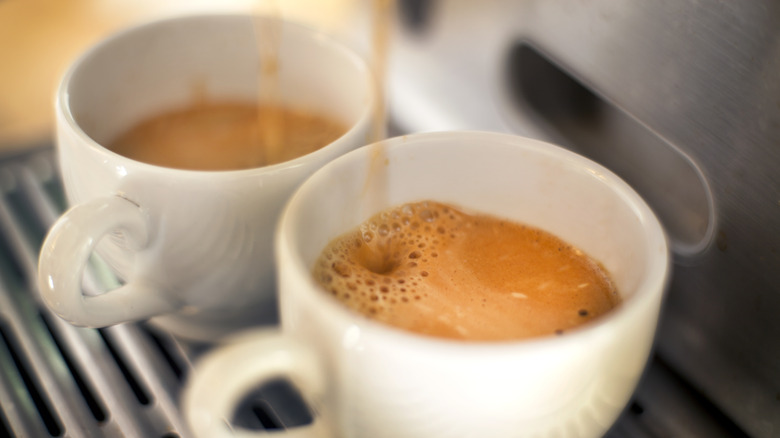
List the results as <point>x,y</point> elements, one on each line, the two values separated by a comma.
<point>57,380</point>
<point>62,381</point>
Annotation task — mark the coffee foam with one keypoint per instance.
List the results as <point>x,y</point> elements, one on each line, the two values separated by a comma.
<point>431,268</point>
<point>227,135</point>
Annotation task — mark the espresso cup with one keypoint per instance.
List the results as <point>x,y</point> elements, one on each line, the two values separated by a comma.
<point>366,379</point>
<point>194,249</point>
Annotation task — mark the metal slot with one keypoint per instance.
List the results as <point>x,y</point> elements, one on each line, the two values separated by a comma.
<point>275,405</point>
<point>170,354</point>
<point>92,400</point>
<point>5,430</point>
<point>579,118</point>
<point>141,394</point>
<point>37,398</point>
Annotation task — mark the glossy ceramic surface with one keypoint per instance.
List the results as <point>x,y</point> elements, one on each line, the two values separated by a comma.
<point>202,262</point>
<point>366,379</point>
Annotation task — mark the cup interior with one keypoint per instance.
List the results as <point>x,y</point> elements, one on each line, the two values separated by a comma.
<point>524,180</point>
<point>171,63</point>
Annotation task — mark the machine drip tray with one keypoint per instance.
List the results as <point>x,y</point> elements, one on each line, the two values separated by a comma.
<point>57,380</point>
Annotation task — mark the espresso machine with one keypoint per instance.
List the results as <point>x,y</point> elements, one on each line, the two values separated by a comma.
<point>681,98</point>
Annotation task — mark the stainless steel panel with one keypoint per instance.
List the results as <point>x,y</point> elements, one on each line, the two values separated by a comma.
<point>704,77</point>
<point>699,79</point>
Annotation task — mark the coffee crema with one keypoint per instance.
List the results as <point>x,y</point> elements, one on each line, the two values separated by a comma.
<point>226,136</point>
<point>434,269</point>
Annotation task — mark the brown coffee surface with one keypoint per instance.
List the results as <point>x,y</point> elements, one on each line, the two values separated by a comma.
<point>434,269</point>
<point>226,136</point>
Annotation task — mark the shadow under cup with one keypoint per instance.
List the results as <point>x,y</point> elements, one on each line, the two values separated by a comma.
<point>385,379</point>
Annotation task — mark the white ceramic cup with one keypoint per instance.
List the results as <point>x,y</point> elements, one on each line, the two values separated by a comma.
<point>194,248</point>
<point>366,379</point>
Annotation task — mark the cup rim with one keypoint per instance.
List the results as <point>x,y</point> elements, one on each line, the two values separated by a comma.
<point>64,113</point>
<point>652,288</point>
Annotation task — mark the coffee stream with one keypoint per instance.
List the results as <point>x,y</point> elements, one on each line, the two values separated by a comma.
<point>271,128</point>
<point>381,24</point>
<point>375,189</point>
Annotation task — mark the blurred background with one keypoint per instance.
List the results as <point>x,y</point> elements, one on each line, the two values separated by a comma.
<point>39,39</point>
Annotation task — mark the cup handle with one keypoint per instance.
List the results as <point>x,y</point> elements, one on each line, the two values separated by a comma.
<point>225,375</point>
<point>65,254</point>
